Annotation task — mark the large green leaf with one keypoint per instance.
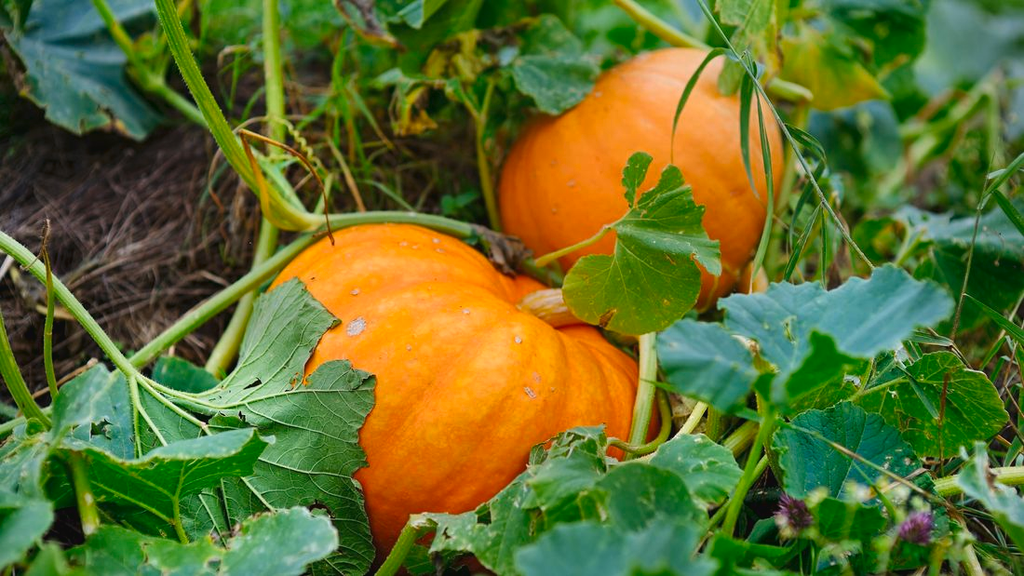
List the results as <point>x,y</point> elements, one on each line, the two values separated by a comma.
<point>74,70</point>
<point>1003,502</point>
<point>709,470</point>
<point>911,401</point>
<point>286,324</point>
<point>315,453</point>
<point>808,457</point>
<point>274,544</point>
<point>652,278</point>
<point>809,336</point>
<point>592,549</point>
<point>551,66</point>
<point>156,482</point>
<point>703,360</point>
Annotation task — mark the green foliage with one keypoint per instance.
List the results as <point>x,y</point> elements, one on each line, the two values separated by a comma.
<point>572,500</point>
<point>283,542</point>
<point>552,67</point>
<point>1005,505</point>
<point>809,460</point>
<point>809,337</point>
<point>74,70</point>
<point>909,399</point>
<point>652,279</point>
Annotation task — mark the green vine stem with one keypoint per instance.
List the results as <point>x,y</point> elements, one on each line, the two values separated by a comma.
<point>177,41</point>
<point>87,509</point>
<point>15,383</point>
<point>750,473</point>
<point>1007,475</point>
<point>741,438</point>
<point>693,420</point>
<point>552,256</point>
<point>715,427</point>
<point>483,163</point>
<point>664,430</point>
<point>719,514</point>
<point>51,374</point>
<point>777,87</point>
<point>412,532</point>
<point>148,79</point>
<point>226,349</point>
<point>220,301</point>
<point>648,376</point>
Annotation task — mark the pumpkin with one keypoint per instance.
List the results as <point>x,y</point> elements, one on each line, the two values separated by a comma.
<point>467,382</point>
<point>562,179</point>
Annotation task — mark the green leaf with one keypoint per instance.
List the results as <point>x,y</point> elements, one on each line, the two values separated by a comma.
<point>634,173</point>
<point>95,407</point>
<point>180,374</point>
<point>49,561</point>
<point>709,470</point>
<point>492,532</point>
<point>810,337</point>
<point>652,278</point>
<point>973,409</point>
<point>417,12</point>
<point>702,360</point>
<point>808,460</point>
<point>22,462</point>
<point>286,325</point>
<point>23,522</point>
<point>997,268</point>
<point>1011,211</point>
<point>892,28</point>
<point>76,73</point>
<point>314,455</point>
<point>835,77</point>
<point>284,542</point>
<point>156,482</point>
<point>637,493</point>
<point>592,549</point>
<point>551,67</point>
<point>838,520</point>
<point>1003,502</point>
<point>1015,332</point>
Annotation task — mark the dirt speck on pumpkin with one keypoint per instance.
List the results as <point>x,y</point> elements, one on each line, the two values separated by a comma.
<point>354,292</point>
<point>519,339</point>
<point>529,392</point>
<point>536,377</point>
<point>356,327</point>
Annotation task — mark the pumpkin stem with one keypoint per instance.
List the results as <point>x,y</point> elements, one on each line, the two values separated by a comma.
<point>549,306</point>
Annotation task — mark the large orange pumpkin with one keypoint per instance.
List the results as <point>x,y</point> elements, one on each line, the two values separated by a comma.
<point>562,180</point>
<point>466,382</point>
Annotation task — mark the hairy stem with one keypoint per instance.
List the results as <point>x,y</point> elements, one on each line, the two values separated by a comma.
<point>177,41</point>
<point>15,383</point>
<point>664,430</point>
<point>741,438</point>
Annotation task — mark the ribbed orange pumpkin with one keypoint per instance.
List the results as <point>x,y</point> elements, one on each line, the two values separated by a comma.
<point>466,382</point>
<point>562,179</point>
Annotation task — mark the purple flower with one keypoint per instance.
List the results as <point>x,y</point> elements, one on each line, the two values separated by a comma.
<point>793,517</point>
<point>917,528</point>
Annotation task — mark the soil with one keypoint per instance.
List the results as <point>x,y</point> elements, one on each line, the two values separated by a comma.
<point>135,234</point>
